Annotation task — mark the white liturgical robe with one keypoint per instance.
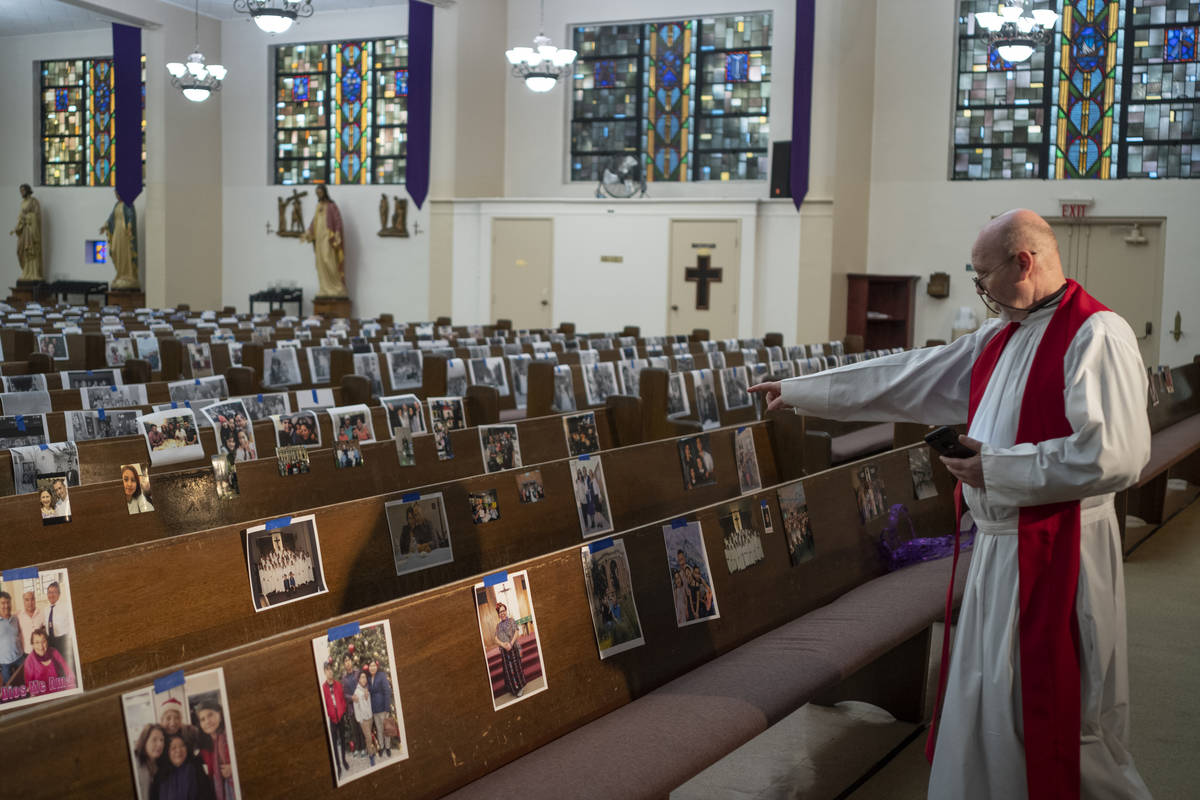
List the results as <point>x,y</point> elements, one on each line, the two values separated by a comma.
<point>980,752</point>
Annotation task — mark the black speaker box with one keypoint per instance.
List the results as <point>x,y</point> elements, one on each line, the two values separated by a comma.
<point>781,169</point>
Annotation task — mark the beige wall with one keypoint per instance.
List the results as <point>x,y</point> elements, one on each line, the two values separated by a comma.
<point>480,107</point>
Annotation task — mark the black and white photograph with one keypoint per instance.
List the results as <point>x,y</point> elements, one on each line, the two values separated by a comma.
<point>213,387</point>
<point>79,378</point>
<point>749,479</point>
<point>200,359</point>
<point>299,429</point>
<point>630,370</point>
<point>419,532</point>
<point>581,433</point>
<point>564,389</point>
<point>530,488</point>
<point>347,454</point>
<point>22,430</point>
<point>922,473</point>
<point>405,369</point>
<point>485,506</point>
<point>146,347</point>
<point>367,365</point>
<point>283,557</point>
<point>404,410</point>
<point>264,406</point>
<point>54,500</point>
<point>24,383</point>
<point>610,597</point>
<point>512,648</point>
<point>600,382</point>
<point>735,382</point>
<point>36,610</point>
<point>518,366</point>
<point>179,732</point>
<point>106,397</point>
<point>318,363</point>
<point>868,492</point>
<point>696,461</point>
<point>797,526</point>
<point>500,446</point>
<point>86,426</point>
<point>172,436</point>
<point>352,424</point>
<point>234,430</point>
<point>705,391</point>
<point>691,576</point>
<point>677,397</point>
<point>53,345</point>
<point>225,477</point>
<point>25,403</point>
<point>360,699</point>
<point>281,367</point>
<point>56,458</point>
<point>449,411</point>
<point>591,495</point>
<point>489,372</point>
<point>135,483</point>
<point>742,539</point>
<point>456,377</point>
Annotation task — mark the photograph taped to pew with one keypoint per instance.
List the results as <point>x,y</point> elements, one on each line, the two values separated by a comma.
<point>347,454</point>
<point>86,426</point>
<point>38,627</point>
<point>485,506</point>
<point>405,369</point>
<point>456,377</point>
<point>367,365</point>
<point>53,345</point>
<point>564,389</point>
<point>600,382</point>
<point>696,461</point>
<point>292,460</point>
<point>631,375</point>
<point>53,499</point>
<point>704,389</point>
<point>797,527</point>
<point>24,430</point>
<point>364,720</point>
<point>922,473</point>
<point>146,347</point>
<point>518,365</point>
<point>297,429</point>
<point>868,492</point>
<point>79,378</point>
<point>691,577</point>
<point>172,436</point>
<point>744,453</point>
<point>179,732</point>
<point>352,423</point>
<point>581,433</point>
<point>282,368</point>
<point>419,532</point>
<point>135,483</point>
<point>512,647</point>
<point>200,359</point>
<point>234,431</point>
<point>490,372</point>
<point>406,452</point>
<point>677,398</point>
<point>25,403</point>
<point>610,596</point>
<point>404,410</point>
<point>318,362</point>
<point>530,488</point>
<point>43,459</point>
<point>743,541</point>
<point>735,382</point>
<point>129,395</point>
<point>768,525</point>
<point>500,446</point>
<point>283,560</point>
<point>449,411</point>
<point>264,406</point>
<point>24,383</point>
<point>225,477</point>
<point>591,495</point>
<point>213,387</point>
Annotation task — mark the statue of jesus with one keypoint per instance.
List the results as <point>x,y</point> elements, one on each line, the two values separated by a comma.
<point>325,232</point>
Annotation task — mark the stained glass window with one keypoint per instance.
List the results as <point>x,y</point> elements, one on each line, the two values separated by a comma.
<point>1089,71</point>
<point>688,98</point>
<point>78,127</point>
<point>341,111</point>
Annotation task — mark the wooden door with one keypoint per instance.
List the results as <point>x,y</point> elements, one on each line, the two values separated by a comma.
<point>522,271</point>
<point>704,277</point>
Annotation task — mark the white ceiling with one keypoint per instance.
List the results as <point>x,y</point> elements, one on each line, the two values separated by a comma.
<point>223,9</point>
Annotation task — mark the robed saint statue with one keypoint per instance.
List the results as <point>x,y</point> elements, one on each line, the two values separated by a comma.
<point>326,232</point>
<point>29,236</point>
<point>121,231</point>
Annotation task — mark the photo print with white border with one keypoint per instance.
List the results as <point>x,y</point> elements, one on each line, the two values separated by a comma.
<point>419,532</point>
<point>512,647</point>
<point>283,559</point>
<point>610,597</point>
<point>691,576</point>
<point>40,605</point>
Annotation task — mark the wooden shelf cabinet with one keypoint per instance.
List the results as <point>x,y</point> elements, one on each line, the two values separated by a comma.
<point>880,309</point>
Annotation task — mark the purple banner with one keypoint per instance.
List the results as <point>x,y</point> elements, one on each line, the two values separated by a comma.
<point>127,110</point>
<point>802,77</point>
<point>420,97</point>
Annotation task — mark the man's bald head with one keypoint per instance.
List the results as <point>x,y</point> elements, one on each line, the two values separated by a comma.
<point>1014,231</point>
<point>1017,262</point>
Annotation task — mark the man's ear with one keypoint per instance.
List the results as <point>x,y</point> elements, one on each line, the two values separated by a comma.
<point>1025,263</point>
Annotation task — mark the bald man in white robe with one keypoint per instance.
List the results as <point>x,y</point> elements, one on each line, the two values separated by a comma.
<point>980,743</point>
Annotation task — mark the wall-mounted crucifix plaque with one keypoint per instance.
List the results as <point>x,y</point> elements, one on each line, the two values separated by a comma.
<point>701,274</point>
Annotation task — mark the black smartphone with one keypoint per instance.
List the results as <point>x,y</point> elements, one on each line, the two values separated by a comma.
<point>945,441</point>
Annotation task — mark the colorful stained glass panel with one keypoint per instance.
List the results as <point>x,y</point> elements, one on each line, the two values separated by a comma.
<point>737,67</point>
<point>1181,45</point>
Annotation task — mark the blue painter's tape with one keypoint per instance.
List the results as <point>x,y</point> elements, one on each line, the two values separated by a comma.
<point>21,422</point>
<point>174,404</point>
<point>20,573</point>
<point>89,372</point>
<point>168,682</point>
<point>260,398</point>
<point>282,522</point>
<point>315,400</point>
<point>100,414</point>
<point>342,631</point>
<point>113,389</point>
<point>603,544</point>
<point>763,503</point>
<point>188,403</point>
<point>494,578</point>
<point>197,381</point>
<point>585,457</point>
<point>739,430</point>
<point>410,497</point>
<point>44,446</point>
<point>679,523</point>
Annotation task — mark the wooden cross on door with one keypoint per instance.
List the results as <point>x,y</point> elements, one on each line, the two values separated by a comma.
<point>702,274</point>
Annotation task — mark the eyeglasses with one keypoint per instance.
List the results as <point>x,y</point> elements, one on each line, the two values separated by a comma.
<point>978,280</point>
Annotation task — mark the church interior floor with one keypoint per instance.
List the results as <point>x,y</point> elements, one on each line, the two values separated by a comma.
<point>856,750</point>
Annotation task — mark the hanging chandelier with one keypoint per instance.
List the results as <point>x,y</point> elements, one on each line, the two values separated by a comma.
<point>1014,34</point>
<point>539,66</point>
<point>274,16</point>
<point>196,79</point>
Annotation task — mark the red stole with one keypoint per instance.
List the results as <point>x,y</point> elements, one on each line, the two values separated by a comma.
<point>1048,566</point>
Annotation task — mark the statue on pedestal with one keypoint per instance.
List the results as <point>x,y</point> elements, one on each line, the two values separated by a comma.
<point>121,231</point>
<point>29,237</point>
<point>326,234</point>
<point>399,224</point>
